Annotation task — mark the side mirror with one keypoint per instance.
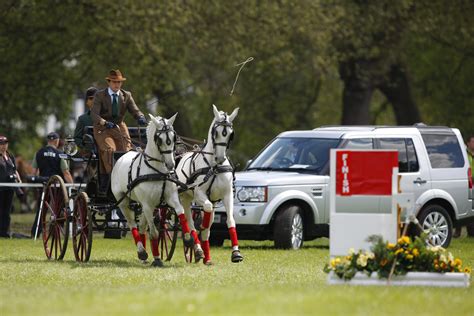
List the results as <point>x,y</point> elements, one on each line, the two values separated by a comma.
<point>248,163</point>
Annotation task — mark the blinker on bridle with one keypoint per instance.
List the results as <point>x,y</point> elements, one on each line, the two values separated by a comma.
<point>165,129</point>
<point>226,124</point>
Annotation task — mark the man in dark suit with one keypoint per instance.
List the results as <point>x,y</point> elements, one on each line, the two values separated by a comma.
<point>85,119</point>
<point>110,131</point>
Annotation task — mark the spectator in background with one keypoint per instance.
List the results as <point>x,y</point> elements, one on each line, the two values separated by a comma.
<point>470,156</point>
<point>8,173</point>
<point>85,119</point>
<point>50,161</point>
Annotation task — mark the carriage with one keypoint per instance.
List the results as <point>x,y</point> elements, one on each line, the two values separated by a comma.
<point>81,211</point>
<point>76,215</point>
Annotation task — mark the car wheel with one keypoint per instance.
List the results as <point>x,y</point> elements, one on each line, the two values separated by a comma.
<point>435,219</point>
<point>216,241</point>
<point>470,229</point>
<point>288,229</point>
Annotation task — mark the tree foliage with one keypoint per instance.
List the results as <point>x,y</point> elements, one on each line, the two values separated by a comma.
<point>184,54</point>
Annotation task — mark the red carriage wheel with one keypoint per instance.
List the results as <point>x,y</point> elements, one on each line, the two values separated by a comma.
<point>189,251</point>
<point>82,228</point>
<point>166,222</point>
<point>55,218</point>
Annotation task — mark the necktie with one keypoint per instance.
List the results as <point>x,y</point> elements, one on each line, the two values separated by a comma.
<point>114,105</point>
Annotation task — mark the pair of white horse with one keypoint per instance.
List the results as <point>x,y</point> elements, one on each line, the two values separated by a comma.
<point>207,173</point>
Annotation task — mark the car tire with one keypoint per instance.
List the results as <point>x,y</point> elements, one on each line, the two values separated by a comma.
<point>216,241</point>
<point>436,219</point>
<point>470,229</point>
<point>288,230</point>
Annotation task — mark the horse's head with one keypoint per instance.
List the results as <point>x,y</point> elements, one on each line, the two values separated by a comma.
<point>161,131</point>
<point>222,132</point>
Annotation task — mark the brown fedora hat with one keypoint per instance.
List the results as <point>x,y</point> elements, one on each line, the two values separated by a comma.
<point>115,75</point>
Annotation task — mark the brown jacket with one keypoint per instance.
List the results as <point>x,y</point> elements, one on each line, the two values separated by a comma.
<point>102,109</point>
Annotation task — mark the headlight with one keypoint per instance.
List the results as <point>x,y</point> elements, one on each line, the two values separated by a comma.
<point>252,194</point>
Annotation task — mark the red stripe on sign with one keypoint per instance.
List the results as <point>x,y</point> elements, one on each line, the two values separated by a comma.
<point>365,172</point>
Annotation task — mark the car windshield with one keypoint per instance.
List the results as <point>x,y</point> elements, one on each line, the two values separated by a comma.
<point>295,154</point>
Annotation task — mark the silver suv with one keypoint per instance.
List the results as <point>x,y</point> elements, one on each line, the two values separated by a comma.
<point>283,194</point>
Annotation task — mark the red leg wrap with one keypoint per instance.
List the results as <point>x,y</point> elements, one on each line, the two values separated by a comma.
<point>195,237</point>
<point>154,248</point>
<point>206,221</point>
<point>143,240</point>
<point>184,223</point>
<point>136,235</point>
<point>207,251</point>
<point>233,236</point>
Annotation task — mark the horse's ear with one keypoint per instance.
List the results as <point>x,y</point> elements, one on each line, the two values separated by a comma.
<point>233,115</point>
<point>216,112</point>
<point>171,119</point>
<point>154,120</point>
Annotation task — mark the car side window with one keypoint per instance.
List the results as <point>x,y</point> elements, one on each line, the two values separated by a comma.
<point>400,145</point>
<point>444,150</point>
<point>359,143</point>
<point>413,165</point>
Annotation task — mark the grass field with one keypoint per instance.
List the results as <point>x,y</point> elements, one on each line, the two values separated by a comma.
<point>268,282</point>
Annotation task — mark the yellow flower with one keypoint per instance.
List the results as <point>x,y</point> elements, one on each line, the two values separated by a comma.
<point>404,240</point>
<point>390,246</point>
<point>351,251</point>
<point>416,252</point>
<point>467,270</point>
<point>409,257</point>
<point>442,258</point>
<point>398,251</point>
<point>457,262</point>
<point>362,260</point>
<point>370,255</point>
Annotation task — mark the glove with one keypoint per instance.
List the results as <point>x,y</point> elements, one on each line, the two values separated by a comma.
<point>109,124</point>
<point>141,121</point>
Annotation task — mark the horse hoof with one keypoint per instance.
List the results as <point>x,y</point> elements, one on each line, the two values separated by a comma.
<point>236,256</point>
<point>142,255</point>
<point>157,263</point>
<point>198,254</point>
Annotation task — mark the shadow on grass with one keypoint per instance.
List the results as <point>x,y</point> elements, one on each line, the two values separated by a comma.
<point>271,247</point>
<point>100,263</point>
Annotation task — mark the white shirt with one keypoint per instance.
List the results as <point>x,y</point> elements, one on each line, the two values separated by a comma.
<point>111,92</point>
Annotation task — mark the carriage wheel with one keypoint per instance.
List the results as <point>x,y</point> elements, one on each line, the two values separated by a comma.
<point>55,218</point>
<point>189,251</point>
<point>82,228</point>
<point>166,222</point>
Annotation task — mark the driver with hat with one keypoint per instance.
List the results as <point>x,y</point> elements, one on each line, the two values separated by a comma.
<point>110,131</point>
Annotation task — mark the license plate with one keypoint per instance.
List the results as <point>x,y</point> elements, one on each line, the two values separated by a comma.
<point>217,218</point>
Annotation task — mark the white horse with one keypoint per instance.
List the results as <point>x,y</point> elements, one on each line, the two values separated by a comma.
<point>209,174</point>
<point>147,174</point>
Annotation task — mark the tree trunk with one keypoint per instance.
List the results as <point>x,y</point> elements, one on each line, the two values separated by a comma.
<point>397,90</point>
<point>356,95</point>
<point>362,77</point>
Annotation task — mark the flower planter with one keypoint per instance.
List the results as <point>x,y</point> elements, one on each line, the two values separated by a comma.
<point>450,279</point>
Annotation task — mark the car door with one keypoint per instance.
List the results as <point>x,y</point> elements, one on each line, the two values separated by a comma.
<point>413,166</point>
